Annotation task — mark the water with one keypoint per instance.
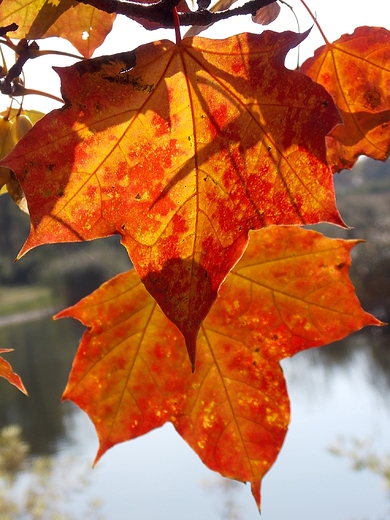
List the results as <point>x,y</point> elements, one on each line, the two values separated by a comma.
<point>341,390</point>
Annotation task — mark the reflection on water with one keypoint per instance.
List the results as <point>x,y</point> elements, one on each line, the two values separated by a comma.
<point>44,352</point>
<point>371,343</point>
<point>38,487</point>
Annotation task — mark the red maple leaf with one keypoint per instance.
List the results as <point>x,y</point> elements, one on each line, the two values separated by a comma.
<point>182,149</point>
<point>289,292</point>
<point>7,372</point>
<point>355,70</point>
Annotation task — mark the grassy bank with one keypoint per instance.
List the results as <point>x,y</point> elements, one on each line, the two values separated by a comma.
<point>26,298</point>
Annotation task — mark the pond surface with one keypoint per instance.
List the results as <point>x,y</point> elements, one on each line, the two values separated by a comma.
<point>337,391</point>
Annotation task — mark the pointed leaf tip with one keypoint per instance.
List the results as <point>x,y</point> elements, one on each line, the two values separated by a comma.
<point>190,340</point>
<point>7,373</point>
<point>255,488</point>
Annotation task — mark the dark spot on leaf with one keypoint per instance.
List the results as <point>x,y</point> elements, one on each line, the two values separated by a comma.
<point>257,349</point>
<point>340,266</point>
<point>254,363</point>
<point>138,196</point>
<point>123,227</point>
<point>125,60</point>
<point>135,82</point>
<point>373,98</point>
<point>276,337</point>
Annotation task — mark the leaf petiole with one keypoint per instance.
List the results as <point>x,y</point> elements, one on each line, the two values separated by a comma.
<point>36,53</point>
<point>176,23</point>
<point>315,21</point>
<point>19,90</point>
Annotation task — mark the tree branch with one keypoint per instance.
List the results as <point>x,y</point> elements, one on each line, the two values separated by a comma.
<point>161,12</point>
<point>205,17</point>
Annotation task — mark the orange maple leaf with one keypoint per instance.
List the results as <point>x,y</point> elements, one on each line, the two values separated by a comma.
<point>84,27</point>
<point>289,292</point>
<point>7,372</point>
<point>355,70</point>
<point>182,149</point>
<point>33,17</point>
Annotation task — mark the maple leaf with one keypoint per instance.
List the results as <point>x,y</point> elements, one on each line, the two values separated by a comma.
<point>182,149</point>
<point>84,27</point>
<point>355,70</point>
<point>289,292</point>
<point>266,15</point>
<point>34,17</point>
<point>7,372</point>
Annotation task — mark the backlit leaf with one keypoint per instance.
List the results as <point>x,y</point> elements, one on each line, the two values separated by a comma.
<point>84,27</point>
<point>7,372</point>
<point>182,149</point>
<point>289,292</point>
<point>266,15</point>
<point>356,71</point>
<point>34,17</point>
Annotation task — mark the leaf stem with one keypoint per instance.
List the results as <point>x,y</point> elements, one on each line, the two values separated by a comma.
<point>315,21</point>
<point>176,23</point>
<point>19,90</point>
<point>28,91</point>
<point>299,27</point>
<point>36,53</point>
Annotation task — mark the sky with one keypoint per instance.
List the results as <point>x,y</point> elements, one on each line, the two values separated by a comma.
<point>336,17</point>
